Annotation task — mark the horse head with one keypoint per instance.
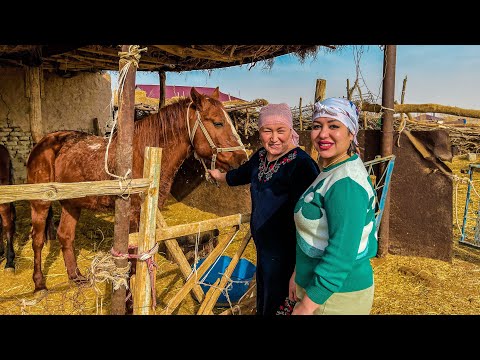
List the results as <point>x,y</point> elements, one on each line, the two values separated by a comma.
<point>212,133</point>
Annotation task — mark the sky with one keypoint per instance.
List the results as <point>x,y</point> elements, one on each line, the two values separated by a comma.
<point>439,74</point>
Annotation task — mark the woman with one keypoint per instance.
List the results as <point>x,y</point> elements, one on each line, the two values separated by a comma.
<point>335,221</point>
<point>278,173</point>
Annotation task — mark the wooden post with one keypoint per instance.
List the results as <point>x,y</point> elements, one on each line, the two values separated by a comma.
<point>388,95</point>
<point>300,116</point>
<point>96,127</point>
<point>35,77</point>
<point>320,90</point>
<point>142,296</point>
<point>123,162</point>
<point>348,89</point>
<point>402,100</point>
<point>247,121</point>
<point>163,89</point>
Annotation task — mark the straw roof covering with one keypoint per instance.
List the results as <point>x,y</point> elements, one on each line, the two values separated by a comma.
<point>176,58</point>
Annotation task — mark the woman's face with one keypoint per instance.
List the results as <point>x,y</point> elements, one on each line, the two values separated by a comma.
<point>330,137</point>
<point>276,138</point>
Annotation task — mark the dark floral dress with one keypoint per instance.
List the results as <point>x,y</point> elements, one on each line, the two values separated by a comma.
<point>275,187</point>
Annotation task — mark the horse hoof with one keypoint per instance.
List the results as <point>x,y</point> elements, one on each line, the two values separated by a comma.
<point>39,294</point>
<point>9,270</point>
<point>80,280</point>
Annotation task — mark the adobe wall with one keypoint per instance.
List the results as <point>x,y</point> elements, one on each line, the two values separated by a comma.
<point>67,103</point>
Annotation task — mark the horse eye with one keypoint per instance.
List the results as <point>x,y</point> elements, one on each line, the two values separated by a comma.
<point>217,124</point>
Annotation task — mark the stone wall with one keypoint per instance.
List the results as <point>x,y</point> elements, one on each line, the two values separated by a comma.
<point>67,104</point>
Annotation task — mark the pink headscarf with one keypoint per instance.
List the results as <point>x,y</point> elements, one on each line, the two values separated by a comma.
<point>277,114</point>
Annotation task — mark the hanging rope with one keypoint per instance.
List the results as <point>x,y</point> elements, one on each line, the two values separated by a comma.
<point>127,59</point>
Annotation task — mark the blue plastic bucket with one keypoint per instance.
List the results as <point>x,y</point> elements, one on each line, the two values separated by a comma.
<point>243,273</point>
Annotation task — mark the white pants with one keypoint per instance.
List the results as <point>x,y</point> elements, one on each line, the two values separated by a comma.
<point>347,303</point>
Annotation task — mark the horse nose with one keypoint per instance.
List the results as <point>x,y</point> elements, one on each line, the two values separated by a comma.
<point>243,161</point>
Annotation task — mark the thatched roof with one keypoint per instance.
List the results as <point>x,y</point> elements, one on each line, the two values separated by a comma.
<point>173,58</point>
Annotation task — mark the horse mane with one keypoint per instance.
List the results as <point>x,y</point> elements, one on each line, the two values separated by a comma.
<point>167,126</point>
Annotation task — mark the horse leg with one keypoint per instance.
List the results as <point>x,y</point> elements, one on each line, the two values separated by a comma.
<point>2,247</point>
<point>9,222</point>
<point>39,215</point>
<point>66,236</point>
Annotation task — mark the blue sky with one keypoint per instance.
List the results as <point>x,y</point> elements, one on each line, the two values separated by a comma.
<point>440,74</point>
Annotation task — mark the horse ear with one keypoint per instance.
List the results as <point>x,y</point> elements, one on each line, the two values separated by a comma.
<point>196,97</point>
<point>216,94</point>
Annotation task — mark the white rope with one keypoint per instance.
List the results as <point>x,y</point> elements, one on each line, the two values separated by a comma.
<point>132,56</point>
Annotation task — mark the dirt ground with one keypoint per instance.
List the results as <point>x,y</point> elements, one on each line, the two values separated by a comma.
<point>403,285</point>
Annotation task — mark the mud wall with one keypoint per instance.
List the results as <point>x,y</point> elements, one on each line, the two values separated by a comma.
<point>421,199</point>
<point>67,103</point>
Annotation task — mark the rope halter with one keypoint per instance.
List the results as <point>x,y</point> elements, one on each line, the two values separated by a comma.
<point>215,149</point>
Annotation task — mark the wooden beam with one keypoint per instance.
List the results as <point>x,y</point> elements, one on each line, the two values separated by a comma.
<point>424,108</point>
<point>163,89</point>
<point>184,52</point>
<point>123,163</point>
<point>142,296</point>
<point>172,232</point>
<point>386,148</point>
<point>35,77</point>
<point>190,283</point>
<point>320,89</point>
<point>215,292</point>
<point>184,266</point>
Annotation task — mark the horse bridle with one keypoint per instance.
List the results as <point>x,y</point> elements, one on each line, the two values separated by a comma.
<point>215,149</point>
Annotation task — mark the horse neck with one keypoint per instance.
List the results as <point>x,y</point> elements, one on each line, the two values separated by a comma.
<point>167,130</point>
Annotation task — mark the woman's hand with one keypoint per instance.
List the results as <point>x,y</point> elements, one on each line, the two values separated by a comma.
<point>305,307</point>
<point>292,288</point>
<point>217,174</point>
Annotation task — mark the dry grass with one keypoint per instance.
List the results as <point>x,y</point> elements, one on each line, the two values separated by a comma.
<point>415,285</point>
<point>404,285</point>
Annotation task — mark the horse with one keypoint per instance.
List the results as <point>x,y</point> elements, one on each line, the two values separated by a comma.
<point>7,211</point>
<point>198,125</point>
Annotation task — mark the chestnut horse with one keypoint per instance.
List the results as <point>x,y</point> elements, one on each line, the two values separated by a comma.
<point>198,125</point>
<point>7,211</point>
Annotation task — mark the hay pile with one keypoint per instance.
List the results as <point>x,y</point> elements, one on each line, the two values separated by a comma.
<point>404,285</point>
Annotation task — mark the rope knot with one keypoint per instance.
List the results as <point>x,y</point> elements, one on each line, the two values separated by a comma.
<point>132,55</point>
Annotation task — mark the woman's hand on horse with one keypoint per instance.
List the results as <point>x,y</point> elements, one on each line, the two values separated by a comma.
<point>217,175</point>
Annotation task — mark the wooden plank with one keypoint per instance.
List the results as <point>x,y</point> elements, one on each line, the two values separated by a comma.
<point>172,232</point>
<point>177,298</point>
<point>240,307</point>
<point>57,191</point>
<point>213,295</point>
<point>184,266</point>
<point>208,296</point>
<point>142,297</point>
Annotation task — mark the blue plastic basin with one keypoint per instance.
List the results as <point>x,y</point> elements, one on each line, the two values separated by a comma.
<point>243,273</point>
